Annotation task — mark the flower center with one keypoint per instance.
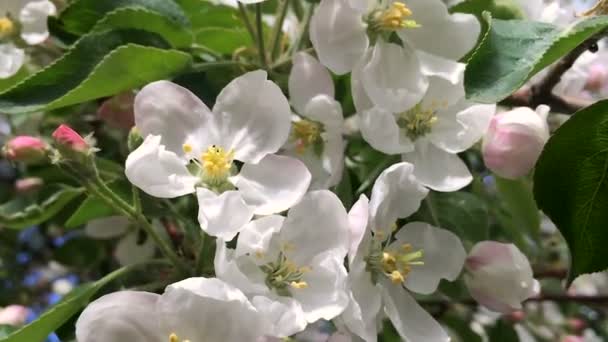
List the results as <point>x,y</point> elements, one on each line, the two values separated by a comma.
<point>395,264</point>
<point>418,121</point>
<point>174,338</point>
<point>7,27</point>
<point>392,18</point>
<point>307,133</point>
<point>215,164</point>
<point>283,274</point>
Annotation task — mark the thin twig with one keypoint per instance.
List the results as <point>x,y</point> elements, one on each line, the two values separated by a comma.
<point>278,28</point>
<point>245,18</point>
<point>260,31</point>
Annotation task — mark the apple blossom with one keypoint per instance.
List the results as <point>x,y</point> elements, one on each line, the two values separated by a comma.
<point>132,247</point>
<point>515,140</point>
<point>417,258</point>
<point>193,149</point>
<point>26,149</point>
<point>499,276</point>
<point>316,134</point>
<point>431,133</point>
<point>292,268</point>
<point>27,20</point>
<point>194,309</point>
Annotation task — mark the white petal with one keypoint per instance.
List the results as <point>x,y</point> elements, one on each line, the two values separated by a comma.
<point>395,91</point>
<point>173,112</point>
<point>396,194</point>
<point>361,100</point>
<point>11,60</point>
<point>443,34</point>
<point>222,215</point>
<point>410,320</point>
<point>201,309</point>
<point>121,316</point>
<point>255,236</point>
<point>274,185</point>
<point>227,269</point>
<point>438,169</point>
<point>338,35</point>
<point>33,20</point>
<point>443,256</point>
<point>253,117</point>
<point>131,251</point>
<point>308,78</point>
<point>461,126</point>
<point>107,227</point>
<point>326,296</point>
<point>170,177</point>
<point>358,218</point>
<point>379,128</point>
<point>447,69</point>
<point>319,214</point>
<point>283,316</point>
<point>444,92</point>
<point>325,110</point>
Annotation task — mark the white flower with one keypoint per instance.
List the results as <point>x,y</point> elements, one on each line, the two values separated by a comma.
<point>189,148</point>
<point>132,248</point>
<point>292,268</point>
<point>26,19</point>
<point>430,134</point>
<point>418,257</point>
<point>316,134</point>
<point>499,276</point>
<point>195,309</point>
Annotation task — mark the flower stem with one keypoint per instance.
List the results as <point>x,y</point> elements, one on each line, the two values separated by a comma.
<point>303,33</point>
<point>260,32</point>
<point>245,18</point>
<point>219,64</point>
<point>278,28</point>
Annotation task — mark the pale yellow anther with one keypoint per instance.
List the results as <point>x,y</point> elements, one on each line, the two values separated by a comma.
<point>7,27</point>
<point>406,247</point>
<point>305,133</point>
<point>217,163</point>
<point>259,254</point>
<point>298,285</point>
<point>187,148</point>
<point>305,269</point>
<point>397,277</point>
<point>394,18</point>
<point>173,338</point>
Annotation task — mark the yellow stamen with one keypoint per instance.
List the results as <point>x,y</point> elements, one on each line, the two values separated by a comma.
<point>7,27</point>
<point>394,18</point>
<point>299,285</point>
<point>173,338</point>
<point>305,133</point>
<point>217,163</point>
<point>419,120</point>
<point>187,148</point>
<point>397,277</point>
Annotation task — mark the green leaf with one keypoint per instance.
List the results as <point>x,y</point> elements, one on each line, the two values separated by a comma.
<point>221,39</point>
<point>139,18</point>
<point>38,330</point>
<point>500,9</point>
<point>571,187</point>
<point>460,212</point>
<point>502,332</point>
<point>98,65</point>
<point>82,15</point>
<point>94,208</point>
<point>517,198</point>
<point>513,51</point>
<point>19,213</point>
<point>5,330</point>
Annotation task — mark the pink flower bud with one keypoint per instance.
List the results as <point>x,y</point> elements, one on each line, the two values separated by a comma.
<point>27,185</point>
<point>67,137</point>
<point>596,77</point>
<point>118,111</point>
<point>13,315</point>
<point>25,149</point>
<point>515,140</point>
<point>499,276</point>
<point>572,338</point>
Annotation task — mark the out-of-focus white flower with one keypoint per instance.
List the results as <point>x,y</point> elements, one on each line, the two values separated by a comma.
<point>418,257</point>
<point>499,276</point>
<point>292,268</point>
<point>193,149</point>
<point>14,315</point>
<point>25,19</point>
<point>131,249</point>
<point>430,134</point>
<point>515,140</point>
<point>316,134</point>
<point>195,309</point>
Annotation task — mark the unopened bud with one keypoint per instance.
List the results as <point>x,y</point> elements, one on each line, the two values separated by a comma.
<point>27,185</point>
<point>25,149</point>
<point>135,139</point>
<point>118,111</point>
<point>515,140</point>
<point>596,77</point>
<point>14,315</point>
<point>67,138</point>
<point>499,276</point>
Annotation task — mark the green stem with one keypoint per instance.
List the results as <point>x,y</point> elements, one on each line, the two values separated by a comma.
<point>201,261</point>
<point>278,28</point>
<point>219,64</point>
<point>297,44</point>
<point>245,18</point>
<point>206,50</point>
<point>260,32</point>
